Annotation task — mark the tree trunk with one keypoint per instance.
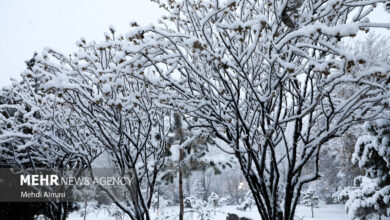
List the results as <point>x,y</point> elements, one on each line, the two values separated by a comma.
<point>85,209</point>
<point>181,197</point>
<point>312,211</point>
<point>158,198</point>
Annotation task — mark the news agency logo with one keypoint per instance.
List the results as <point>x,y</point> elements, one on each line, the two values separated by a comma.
<point>56,180</point>
<point>63,185</point>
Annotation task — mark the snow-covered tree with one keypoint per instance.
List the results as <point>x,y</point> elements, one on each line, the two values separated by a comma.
<point>15,133</point>
<point>24,148</point>
<point>262,76</point>
<point>22,145</point>
<point>371,194</point>
<point>309,199</point>
<point>95,101</point>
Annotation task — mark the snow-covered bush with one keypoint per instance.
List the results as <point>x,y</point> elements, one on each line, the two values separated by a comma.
<point>226,200</point>
<point>213,200</point>
<point>247,203</point>
<point>200,208</point>
<point>193,202</point>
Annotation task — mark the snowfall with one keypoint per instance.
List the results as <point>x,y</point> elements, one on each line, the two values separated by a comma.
<point>324,212</point>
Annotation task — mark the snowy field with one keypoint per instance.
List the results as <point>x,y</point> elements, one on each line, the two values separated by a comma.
<point>325,212</point>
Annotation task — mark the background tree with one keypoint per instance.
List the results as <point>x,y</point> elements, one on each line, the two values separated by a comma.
<point>337,170</point>
<point>207,179</point>
<point>309,199</point>
<point>373,155</point>
<point>186,152</point>
<point>233,181</point>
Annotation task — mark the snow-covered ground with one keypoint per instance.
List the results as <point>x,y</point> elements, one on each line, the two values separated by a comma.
<point>325,212</point>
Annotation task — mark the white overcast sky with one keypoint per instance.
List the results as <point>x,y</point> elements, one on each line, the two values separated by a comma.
<point>30,25</point>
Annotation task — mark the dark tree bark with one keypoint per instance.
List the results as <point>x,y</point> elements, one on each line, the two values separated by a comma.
<point>181,196</point>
